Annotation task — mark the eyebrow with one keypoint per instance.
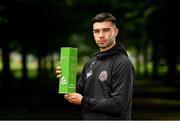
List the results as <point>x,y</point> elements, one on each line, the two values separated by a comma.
<point>102,29</point>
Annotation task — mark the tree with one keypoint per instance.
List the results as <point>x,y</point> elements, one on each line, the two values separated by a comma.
<point>6,31</point>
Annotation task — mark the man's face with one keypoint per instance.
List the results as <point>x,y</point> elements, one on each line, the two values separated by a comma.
<point>104,34</point>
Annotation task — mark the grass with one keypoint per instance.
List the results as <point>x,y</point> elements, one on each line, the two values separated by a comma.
<point>157,101</point>
<point>145,108</point>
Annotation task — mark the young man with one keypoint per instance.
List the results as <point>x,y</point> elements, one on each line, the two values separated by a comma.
<point>105,87</point>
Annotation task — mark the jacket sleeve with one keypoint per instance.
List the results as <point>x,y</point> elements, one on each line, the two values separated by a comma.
<point>80,85</point>
<point>121,94</point>
<point>81,81</point>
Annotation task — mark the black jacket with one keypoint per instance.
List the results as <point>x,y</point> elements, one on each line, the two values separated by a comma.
<point>106,84</point>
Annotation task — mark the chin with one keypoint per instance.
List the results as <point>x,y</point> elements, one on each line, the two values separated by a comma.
<point>102,46</point>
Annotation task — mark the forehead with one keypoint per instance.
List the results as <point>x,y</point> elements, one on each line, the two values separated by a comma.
<point>100,25</point>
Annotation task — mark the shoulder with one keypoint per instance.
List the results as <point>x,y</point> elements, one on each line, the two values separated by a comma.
<point>121,58</point>
<point>121,61</point>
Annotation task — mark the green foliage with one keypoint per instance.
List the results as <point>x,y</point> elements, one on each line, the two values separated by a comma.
<point>42,27</point>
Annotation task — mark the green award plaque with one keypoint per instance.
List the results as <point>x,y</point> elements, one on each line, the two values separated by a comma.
<point>68,64</point>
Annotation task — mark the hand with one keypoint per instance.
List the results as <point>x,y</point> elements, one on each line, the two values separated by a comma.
<point>58,72</point>
<point>74,98</point>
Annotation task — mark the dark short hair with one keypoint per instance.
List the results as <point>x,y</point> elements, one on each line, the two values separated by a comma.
<point>104,16</point>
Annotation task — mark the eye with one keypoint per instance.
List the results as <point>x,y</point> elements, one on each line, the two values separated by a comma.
<point>96,31</point>
<point>106,30</point>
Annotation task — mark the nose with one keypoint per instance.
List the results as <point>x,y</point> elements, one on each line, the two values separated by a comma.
<point>101,34</point>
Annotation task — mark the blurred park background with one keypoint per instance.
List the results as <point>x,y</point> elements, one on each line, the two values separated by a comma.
<point>32,32</point>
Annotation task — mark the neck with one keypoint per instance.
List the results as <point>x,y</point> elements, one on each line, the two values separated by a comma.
<point>107,48</point>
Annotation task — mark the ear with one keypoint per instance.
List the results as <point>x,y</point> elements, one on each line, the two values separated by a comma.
<point>116,31</point>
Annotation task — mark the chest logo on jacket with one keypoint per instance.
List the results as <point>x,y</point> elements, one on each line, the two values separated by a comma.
<point>89,74</point>
<point>103,76</point>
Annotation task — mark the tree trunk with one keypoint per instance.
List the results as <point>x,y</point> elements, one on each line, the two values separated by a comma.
<point>145,61</point>
<point>155,60</point>
<point>24,67</point>
<point>7,77</point>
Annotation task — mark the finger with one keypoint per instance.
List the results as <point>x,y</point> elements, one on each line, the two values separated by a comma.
<point>58,76</point>
<point>67,97</point>
<point>58,72</point>
<point>70,101</point>
<point>58,68</point>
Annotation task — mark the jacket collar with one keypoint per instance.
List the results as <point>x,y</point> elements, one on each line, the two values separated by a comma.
<point>113,51</point>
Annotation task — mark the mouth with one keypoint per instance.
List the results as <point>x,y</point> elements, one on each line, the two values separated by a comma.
<point>101,41</point>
